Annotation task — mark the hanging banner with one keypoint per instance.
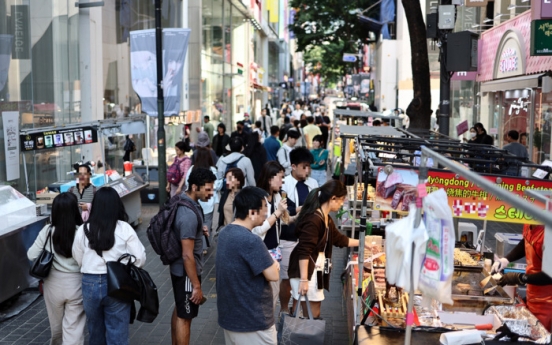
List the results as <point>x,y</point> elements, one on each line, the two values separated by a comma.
<point>5,58</point>
<point>21,30</point>
<point>144,68</point>
<point>58,138</point>
<point>467,201</point>
<point>10,121</point>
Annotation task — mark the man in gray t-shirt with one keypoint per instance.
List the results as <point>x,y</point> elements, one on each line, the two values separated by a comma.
<point>244,272</point>
<point>186,272</point>
<point>516,149</point>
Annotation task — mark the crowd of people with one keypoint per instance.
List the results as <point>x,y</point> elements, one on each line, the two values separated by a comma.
<point>274,234</point>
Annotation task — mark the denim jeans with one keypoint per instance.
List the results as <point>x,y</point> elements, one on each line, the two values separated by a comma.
<point>320,176</point>
<point>107,317</point>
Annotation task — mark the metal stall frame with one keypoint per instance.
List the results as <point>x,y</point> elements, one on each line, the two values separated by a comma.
<point>515,201</point>
<point>354,113</point>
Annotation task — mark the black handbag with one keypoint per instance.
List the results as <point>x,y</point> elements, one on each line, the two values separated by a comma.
<point>149,299</point>
<point>41,266</point>
<point>120,283</point>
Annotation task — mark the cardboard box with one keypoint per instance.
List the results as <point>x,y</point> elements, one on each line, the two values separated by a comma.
<point>46,198</point>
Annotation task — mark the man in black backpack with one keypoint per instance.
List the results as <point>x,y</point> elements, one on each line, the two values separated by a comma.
<point>186,271</point>
<point>236,159</point>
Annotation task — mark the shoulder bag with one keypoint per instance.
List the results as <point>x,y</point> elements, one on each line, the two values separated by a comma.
<point>120,284</point>
<point>302,331</point>
<point>43,263</point>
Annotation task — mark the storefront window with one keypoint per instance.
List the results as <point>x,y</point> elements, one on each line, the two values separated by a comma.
<point>543,123</point>
<point>41,82</point>
<point>212,55</point>
<point>515,108</point>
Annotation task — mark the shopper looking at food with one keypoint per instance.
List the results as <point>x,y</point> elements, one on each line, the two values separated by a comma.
<point>62,287</point>
<point>310,261</point>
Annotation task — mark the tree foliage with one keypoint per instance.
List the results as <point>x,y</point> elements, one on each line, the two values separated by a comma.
<point>326,29</point>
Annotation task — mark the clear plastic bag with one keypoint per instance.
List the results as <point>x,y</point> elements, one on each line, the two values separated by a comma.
<point>438,264</point>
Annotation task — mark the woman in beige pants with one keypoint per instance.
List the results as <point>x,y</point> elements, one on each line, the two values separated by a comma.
<point>62,287</point>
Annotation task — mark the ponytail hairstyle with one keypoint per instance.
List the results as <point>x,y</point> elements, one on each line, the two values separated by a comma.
<point>319,196</point>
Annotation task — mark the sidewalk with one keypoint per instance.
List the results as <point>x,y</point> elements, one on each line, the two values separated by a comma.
<point>31,326</point>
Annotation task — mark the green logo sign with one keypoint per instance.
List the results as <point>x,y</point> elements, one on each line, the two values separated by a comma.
<point>541,37</point>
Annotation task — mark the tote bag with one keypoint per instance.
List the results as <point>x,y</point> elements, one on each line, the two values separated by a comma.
<point>302,331</point>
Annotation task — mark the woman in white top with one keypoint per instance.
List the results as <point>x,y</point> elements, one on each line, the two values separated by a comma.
<point>270,181</point>
<point>105,237</point>
<point>62,288</point>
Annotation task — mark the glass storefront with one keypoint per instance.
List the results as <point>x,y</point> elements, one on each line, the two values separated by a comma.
<point>43,77</point>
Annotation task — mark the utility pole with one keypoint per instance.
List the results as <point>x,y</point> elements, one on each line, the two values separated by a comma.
<point>444,94</point>
<point>162,167</point>
<point>447,19</point>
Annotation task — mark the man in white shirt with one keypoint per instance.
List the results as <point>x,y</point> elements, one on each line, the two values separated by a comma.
<point>297,112</point>
<point>297,185</point>
<point>284,152</point>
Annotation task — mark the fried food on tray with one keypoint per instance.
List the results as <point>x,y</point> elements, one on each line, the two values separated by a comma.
<point>463,258</point>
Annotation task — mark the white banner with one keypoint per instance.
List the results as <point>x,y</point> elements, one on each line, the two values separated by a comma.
<point>10,121</point>
<point>143,69</point>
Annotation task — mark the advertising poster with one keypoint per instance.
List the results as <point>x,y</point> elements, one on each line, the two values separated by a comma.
<point>10,122</point>
<point>57,138</point>
<point>468,201</point>
<point>143,61</point>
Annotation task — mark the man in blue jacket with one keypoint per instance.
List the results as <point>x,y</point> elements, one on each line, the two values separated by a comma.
<point>272,144</point>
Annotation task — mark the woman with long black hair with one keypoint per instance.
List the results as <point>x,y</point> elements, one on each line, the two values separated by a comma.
<point>105,237</point>
<point>271,180</point>
<point>310,261</point>
<point>62,288</point>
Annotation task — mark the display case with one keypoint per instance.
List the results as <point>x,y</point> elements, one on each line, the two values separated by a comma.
<point>20,227</point>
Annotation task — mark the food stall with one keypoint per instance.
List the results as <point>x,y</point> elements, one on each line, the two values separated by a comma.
<point>20,227</point>
<point>400,165</point>
<point>128,185</point>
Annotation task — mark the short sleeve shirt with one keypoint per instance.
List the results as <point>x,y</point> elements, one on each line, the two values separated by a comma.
<point>244,296</point>
<point>185,224</point>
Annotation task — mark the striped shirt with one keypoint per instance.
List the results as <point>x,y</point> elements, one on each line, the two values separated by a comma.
<point>87,194</point>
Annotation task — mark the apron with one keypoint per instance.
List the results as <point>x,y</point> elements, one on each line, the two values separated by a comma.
<point>539,298</point>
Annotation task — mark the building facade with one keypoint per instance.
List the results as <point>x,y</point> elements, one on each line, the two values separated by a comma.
<point>63,63</point>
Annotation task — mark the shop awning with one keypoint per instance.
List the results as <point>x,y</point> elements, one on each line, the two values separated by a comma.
<point>526,81</point>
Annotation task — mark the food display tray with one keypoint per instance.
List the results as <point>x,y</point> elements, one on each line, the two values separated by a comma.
<point>472,277</point>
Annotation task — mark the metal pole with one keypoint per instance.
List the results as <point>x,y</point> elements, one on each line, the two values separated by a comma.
<point>162,167</point>
<point>444,94</point>
<point>422,176</point>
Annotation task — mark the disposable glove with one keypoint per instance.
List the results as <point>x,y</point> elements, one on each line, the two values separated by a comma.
<point>499,265</point>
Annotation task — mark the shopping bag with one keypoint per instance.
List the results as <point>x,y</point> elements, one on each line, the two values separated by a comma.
<point>296,330</point>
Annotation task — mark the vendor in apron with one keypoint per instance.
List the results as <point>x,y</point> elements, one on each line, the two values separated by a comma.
<point>539,284</point>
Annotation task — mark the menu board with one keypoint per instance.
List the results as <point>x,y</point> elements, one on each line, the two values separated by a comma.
<point>127,184</point>
<point>58,138</point>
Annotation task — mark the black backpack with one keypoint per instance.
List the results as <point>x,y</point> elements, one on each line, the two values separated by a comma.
<point>164,240</point>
